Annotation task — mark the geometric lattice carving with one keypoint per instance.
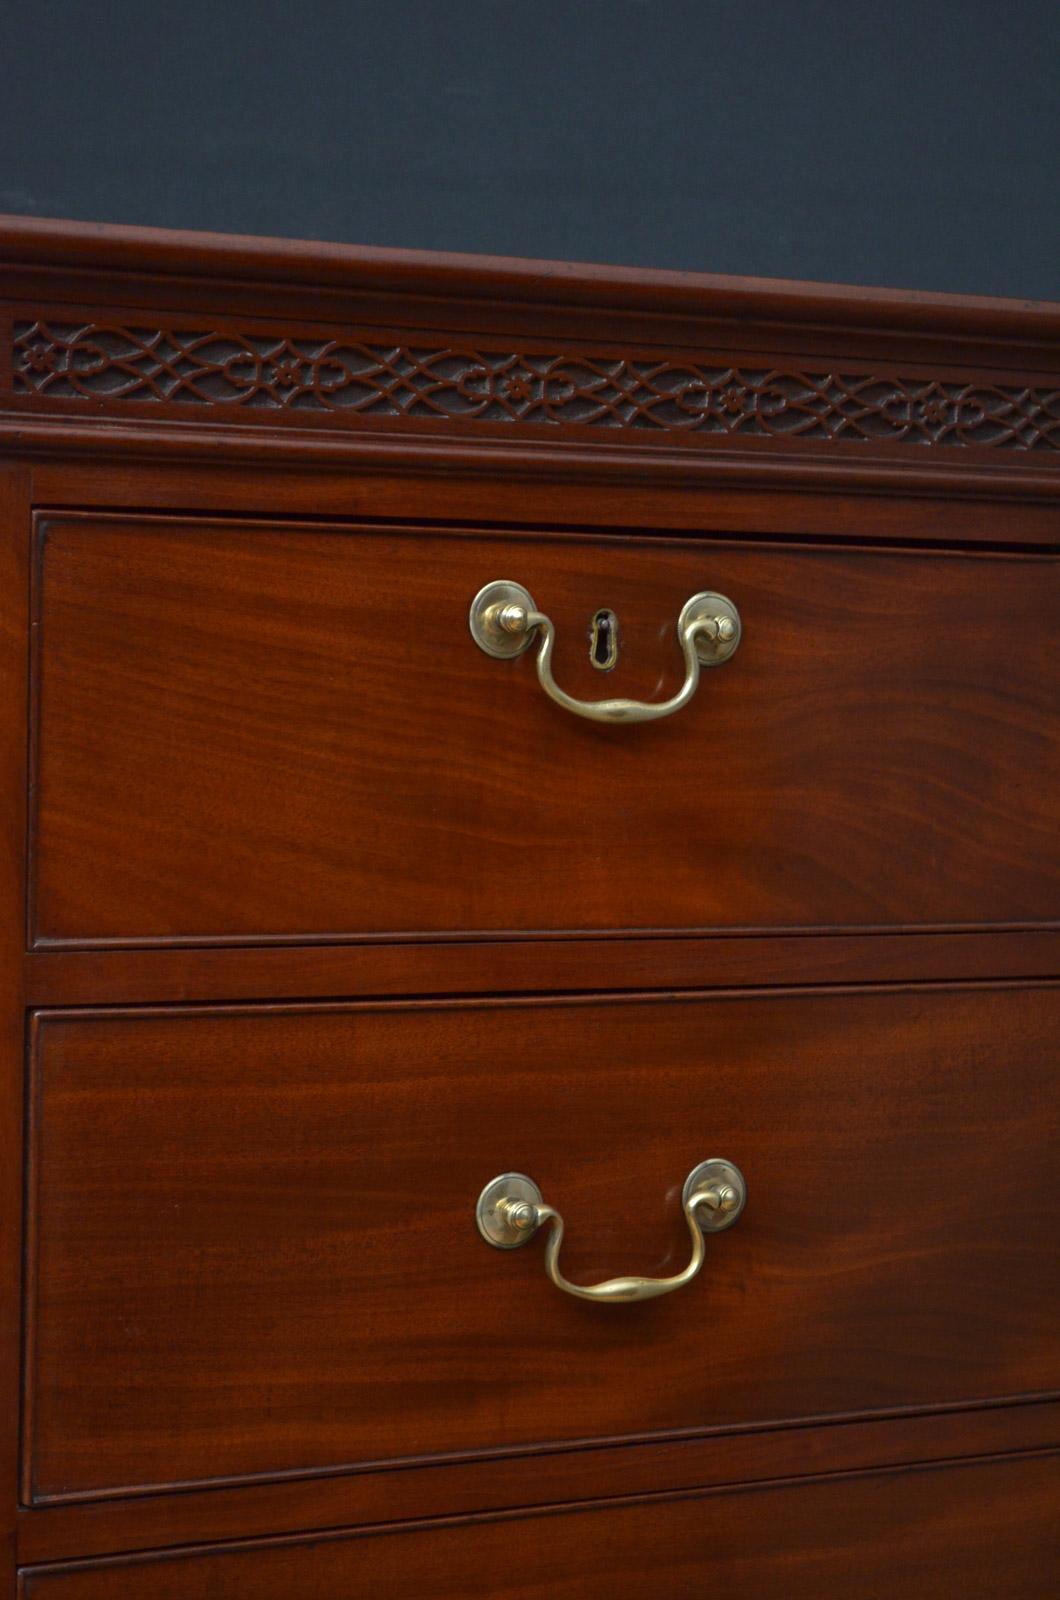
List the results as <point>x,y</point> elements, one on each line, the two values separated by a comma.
<point>266,372</point>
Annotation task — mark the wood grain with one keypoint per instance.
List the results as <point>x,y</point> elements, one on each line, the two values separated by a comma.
<point>520,1480</point>
<point>263,731</point>
<point>512,966</point>
<point>253,1247</point>
<point>971,1532</point>
<point>14,632</point>
<point>109,469</point>
<point>151,265</point>
<point>133,277</point>
<point>263,780</point>
<point>1028,484</point>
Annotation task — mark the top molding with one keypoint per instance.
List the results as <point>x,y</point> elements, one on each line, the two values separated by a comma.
<point>276,347</point>
<point>425,274</point>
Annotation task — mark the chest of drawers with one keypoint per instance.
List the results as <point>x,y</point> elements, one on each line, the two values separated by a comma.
<point>531,881</point>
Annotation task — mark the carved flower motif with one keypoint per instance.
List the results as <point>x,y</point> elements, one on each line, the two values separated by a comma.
<point>287,372</point>
<point>697,397</point>
<point>933,411</point>
<point>41,357</point>
<point>518,385</point>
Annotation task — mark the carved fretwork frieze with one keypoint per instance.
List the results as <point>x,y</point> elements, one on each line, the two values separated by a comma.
<point>267,372</point>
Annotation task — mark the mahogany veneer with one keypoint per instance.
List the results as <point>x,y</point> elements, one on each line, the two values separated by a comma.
<point>954,1533</point>
<point>316,918</point>
<point>279,1212</point>
<point>267,732</point>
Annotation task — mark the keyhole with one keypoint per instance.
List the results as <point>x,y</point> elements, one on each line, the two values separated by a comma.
<point>603,640</point>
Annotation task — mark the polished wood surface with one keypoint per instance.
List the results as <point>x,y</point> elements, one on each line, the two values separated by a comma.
<point>504,285</point>
<point>910,352</point>
<point>949,395</point>
<point>254,731</point>
<point>714,1458</point>
<point>536,966</point>
<point>125,468</point>
<point>14,677</point>
<point>971,1532</point>
<point>255,824</point>
<point>270,1264</point>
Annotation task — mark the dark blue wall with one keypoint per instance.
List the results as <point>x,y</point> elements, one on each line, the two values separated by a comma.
<point>910,143</point>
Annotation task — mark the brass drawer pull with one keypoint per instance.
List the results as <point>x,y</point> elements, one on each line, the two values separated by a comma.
<point>504,619</point>
<point>511,1209</point>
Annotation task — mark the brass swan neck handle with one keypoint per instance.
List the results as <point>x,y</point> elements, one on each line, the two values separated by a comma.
<point>504,619</point>
<point>511,1210</point>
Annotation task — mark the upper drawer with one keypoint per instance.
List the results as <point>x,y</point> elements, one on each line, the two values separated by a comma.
<point>249,731</point>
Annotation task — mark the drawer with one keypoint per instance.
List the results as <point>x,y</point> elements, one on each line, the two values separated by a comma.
<point>250,731</point>
<point>253,1249</point>
<point>968,1532</point>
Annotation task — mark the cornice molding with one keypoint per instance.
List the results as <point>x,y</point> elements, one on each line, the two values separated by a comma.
<point>45,243</point>
<point>256,349</point>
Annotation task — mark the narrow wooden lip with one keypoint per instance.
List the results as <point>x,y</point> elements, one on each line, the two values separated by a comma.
<point>56,244</point>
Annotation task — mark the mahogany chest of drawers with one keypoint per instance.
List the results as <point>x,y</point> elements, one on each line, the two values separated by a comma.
<point>531,881</point>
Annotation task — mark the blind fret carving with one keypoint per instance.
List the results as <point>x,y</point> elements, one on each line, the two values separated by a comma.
<point>268,372</point>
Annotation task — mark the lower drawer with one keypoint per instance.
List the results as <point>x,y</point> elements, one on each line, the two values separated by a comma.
<point>252,1247</point>
<point>956,1533</point>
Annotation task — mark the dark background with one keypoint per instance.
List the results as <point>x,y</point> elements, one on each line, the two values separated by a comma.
<point>904,144</point>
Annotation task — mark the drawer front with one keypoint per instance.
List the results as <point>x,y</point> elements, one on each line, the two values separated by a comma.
<point>253,1250</point>
<point>969,1532</point>
<point>272,731</point>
